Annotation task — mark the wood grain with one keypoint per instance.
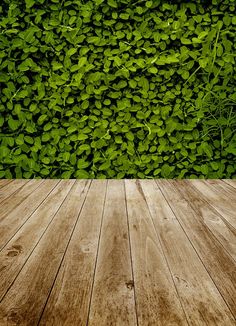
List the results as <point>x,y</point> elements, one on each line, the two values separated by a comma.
<point>221,196</point>
<point>18,197</point>
<point>230,182</point>
<point>210,217</point>
<point>157,300</point>
<point>219,264</point>
<point>113,292</point>
<point>69,301</point>
<point>12,221</point>
<point>117,252</point>
<point>4,182</point>
<point>25,300</point>
<point>11,188</point>
<point>19,248</point>
<point>200,298</point>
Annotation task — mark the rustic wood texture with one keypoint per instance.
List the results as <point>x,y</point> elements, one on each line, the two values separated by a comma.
<point>4,182</point>
<point>18,197</point>
<point>69,301</point>
<point>37,275</point>
<point>230,182</point>
<point>212,190</point>
<point>117,252</point>
<point>11,222</point>
<point>200,297</point>
<point>113,292</point>
<point>219,264</point>
<point>11,188</point>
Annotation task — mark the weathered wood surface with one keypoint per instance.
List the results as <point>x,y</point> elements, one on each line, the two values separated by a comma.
<point>117,252</point>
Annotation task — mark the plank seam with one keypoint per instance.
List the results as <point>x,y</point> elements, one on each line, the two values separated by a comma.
<point>197,254</point>
<point>214,209</point>
<point>12,283</point>
<point>14,191</point>
<point>166,260</point>
<point>29,216</point>
<point>131,259</point>
<point>64,254</point>
<point>98,245</point>
<point>229,184</point>
<point>4,185</point>
<point>15,207</point>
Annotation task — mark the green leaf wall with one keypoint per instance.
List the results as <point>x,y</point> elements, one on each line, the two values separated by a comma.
<point>117,89</point>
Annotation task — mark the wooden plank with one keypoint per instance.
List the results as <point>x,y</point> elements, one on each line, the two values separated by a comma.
<point>69,301</point>
<point>209,217</point>
<point>219,264</point>
<point>19,248</point>
<point>156,297</point>
<point>230,182</point>
<point>11,188</point>
<point>113,292</point>
<point>25,300</point>
<point>17,217</point>
<point>4,182</point>
<point>201,300</point>
<point>11,202</point>
<point>221,196</point>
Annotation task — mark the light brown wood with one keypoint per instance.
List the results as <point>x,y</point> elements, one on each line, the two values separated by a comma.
<point>11,188</point>
<point>210,217</point>
<point>219,264</point>
<point>113,300</point>
<point>157,300</point>
<point>4,182</point>
<point>19,248</point>
<point>135,252</point>
<point>232,183</point>
<point>20,214</point>
<point>69,301</point>
<point>18,197</point>
<point>25,300</point>
<point>200,298</point>
<point>221,196</point>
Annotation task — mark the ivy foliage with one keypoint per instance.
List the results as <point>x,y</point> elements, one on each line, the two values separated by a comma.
<point>117,89</point>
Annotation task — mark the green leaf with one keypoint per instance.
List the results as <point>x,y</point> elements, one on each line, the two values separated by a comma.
<point>66,175</point>
<point>56,65</point>
<point>66,156</point>
<point>1,121</point>
<point>203,62</point>
<point>82,62</point>
<point>185,40</point>
<point>165,170</point>
<point>202,34</point>
<point>72,129</point>
<point>13,124</point>
<point>112,3</point>
<point>82,164</point>
<point>4,151</point>
<point>82,174</point>
<point>105,166</point>
<point>84,147</point>
<point>148,4</point>
<point>185,74</point>
<point>29,3</point>
<point>204,169</point>
<point>132,83</point>
<point>153,70</point>
<point>71,51</point>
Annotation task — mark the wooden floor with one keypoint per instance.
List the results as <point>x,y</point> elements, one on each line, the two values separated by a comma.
<point>117,252</point>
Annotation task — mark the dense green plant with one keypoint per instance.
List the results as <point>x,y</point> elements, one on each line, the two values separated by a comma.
<point>117,88</point>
